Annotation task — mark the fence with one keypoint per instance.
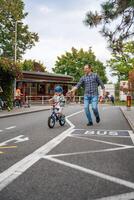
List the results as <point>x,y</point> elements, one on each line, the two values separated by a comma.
<point>44,100</point>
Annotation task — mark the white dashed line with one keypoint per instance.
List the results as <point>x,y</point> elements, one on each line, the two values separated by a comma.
<point>1,131</point>
<point>11,127</point>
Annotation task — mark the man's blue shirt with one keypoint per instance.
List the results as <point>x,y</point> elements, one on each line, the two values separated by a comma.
<point>90,82</point>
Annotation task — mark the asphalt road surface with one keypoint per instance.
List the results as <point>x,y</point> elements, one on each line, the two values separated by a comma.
<point>74,162</point>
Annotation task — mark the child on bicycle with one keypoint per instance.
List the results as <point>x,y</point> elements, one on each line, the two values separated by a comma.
<point>58,99</point>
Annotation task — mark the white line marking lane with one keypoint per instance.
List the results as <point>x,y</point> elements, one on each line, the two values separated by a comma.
<point>18,168</point>
<point>92,172</point>
<point>132,136</point>
<point>125,196</point>
<point>88,152</point>
<point>102,141</point>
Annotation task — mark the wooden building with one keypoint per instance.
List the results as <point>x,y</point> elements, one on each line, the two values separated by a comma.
<point>42,84</point>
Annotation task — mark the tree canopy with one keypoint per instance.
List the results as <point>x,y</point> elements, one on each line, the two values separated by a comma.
<point>72,63</point>
<point>119,12</point>
<point>32,65</point>
<point>8,71</point>
<point>13,30</point>
<point>122,63</point>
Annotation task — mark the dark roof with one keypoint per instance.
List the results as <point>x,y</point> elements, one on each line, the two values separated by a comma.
<point>44,81</point>
<point>47,74</point>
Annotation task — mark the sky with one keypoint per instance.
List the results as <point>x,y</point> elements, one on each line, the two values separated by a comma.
<point>60,27</point>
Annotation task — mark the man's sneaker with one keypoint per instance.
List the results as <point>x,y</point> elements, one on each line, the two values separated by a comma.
<point>98,119</point>
<point>90,124</point>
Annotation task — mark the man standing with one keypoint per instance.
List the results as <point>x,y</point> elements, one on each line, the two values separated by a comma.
<point>90,81</point>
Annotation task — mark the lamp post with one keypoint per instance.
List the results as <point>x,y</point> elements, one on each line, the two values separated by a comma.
<point>15,53</point>
<point>15,43</point>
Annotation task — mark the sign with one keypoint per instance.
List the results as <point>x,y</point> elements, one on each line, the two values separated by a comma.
<point>102,132</point>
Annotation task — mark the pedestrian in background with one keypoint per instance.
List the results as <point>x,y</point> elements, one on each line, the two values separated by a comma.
<point>18,97</point>
<point>112,99</point>
<point>1,100</point>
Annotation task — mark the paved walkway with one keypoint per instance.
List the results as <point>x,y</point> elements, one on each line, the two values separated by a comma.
<point>20,111</point>
<point>129,115</point>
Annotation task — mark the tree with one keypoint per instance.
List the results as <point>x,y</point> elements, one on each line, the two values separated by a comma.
<point>123,10</point>
<point>11,22</point>
<point>122,63</point>
<point>32,65</point>
<point>8,72</point>
<point>71,63</point>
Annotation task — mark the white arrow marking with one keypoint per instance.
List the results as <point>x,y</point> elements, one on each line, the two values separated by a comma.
<point>20,139</point>
<point>17,139</point>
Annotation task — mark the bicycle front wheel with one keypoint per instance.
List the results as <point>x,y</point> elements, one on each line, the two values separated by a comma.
<point>51,122</point>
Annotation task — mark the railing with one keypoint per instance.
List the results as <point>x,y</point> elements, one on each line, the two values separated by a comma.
<point>44,100</point>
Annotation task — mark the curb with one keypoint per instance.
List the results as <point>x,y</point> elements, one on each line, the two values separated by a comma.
<point>23,113</point>
<point>129,121</point>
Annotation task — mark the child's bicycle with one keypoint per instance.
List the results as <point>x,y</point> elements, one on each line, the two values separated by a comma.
<point>54,117</point>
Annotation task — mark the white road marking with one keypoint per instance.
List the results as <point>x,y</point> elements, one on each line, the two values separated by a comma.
<point>1,131</point>
<point>86,132</point>
<point>132,136</point>
<point>88,152</point>
<point>18,168</point>
<point>104,133</point>
<point>101,141</point>
<point>102,129</point>
<point>92,172</point>
<point>108,136</point>
<point>11,127</point>
<point>17,139</point>
<point>20,139</point>
<point>125,196</point>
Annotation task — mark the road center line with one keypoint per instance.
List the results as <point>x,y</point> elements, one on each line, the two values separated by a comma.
<point>8,147</point>
<point>18,168</point>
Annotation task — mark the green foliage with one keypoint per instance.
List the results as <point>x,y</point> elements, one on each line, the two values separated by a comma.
<point>72,63</point>
<point>123,10</point>
<point>122,63</point>
<point>11,16</point>
<point>8,71</point>
<point>32,65</point>
<point>9,67</point>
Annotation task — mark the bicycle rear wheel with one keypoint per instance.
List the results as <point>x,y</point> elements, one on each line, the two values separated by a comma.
<point>62,120</point>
